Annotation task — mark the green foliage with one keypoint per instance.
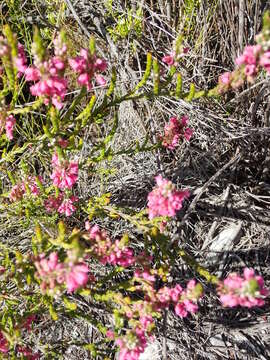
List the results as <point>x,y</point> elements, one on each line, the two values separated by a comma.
<point>126,24</point>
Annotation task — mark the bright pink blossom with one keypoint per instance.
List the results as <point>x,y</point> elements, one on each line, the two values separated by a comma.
<point>53,273</point>
<point>88,66</point>
<point>173,59</point>
<point>48,75</point>
<point>164,199</point>
<point>247,290</point>
<point>65,174</point>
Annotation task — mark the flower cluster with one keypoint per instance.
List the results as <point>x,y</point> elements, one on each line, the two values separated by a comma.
<point>106,251</point>
<point>132,344</point>
<point>20,61</point>
<point>53,273</point>
<point>247,291</point>
<point>248,64</point>
<point>48,75</point>
<point>3,343</point>
<point>184,301</point>
<point>88,66</point>
<point>164,199</point>
<point>20,189</point>
<point>7,123</point>
<point>65,173</point>
<point>139,314</point>
<point>174,130</point>
<point>21,350</point>
<point>61,204</point>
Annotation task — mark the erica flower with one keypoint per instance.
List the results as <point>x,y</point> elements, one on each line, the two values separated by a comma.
<point>88,66</point>
<point>106,251</point>
<point>173,59</point>
<point>20,61</point>
<point>67,206</point>
<point>165,200</point>
<point>77,276</point>
<point>7,123</point>
<point>174,130</point>
<point>3,343</point>
<point>48,75</point>
<point>54,273</point>
<point>247,290</point>
<point>65,174</point>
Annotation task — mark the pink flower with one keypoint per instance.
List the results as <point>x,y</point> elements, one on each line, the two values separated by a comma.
<point>63,143</point>
<point>248,291</point>
<point>265,61</point>
<point>20,61</point>
<point>53,203</point>
<point>77,277</point>
<point>16,193</point>
<point>3,343</point>
<point>49,76</point>
<point>249,56</point>
<point>27,324</point>
<point>67,206</point>
<point>225,78</point>
<point>65,174</point>
<point>169,59</point>
<point>87,66</point>
<point>180,310</point>
<point>172,58</point>
<point>32,74</point>
<point>10,123</point>
<point>54,273</point>
<point>165,200</point>
<point>19,190</point>
<point>27,353</point>
<point>174,130</point>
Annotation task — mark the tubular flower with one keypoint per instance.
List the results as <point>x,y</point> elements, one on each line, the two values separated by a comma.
<point>88,66</point>
<point>65,174</point>
<point>164,199</point>
<point>247,290</point>
<point>174,130</point>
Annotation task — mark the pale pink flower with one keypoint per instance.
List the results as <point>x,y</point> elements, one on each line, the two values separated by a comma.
<point>265,61</point>
<point>225,78</point>
<point>67,207</point>
<point>77,276</point>
<point>20,61</point>
<point>169,59</point>
<point>16,192</point>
